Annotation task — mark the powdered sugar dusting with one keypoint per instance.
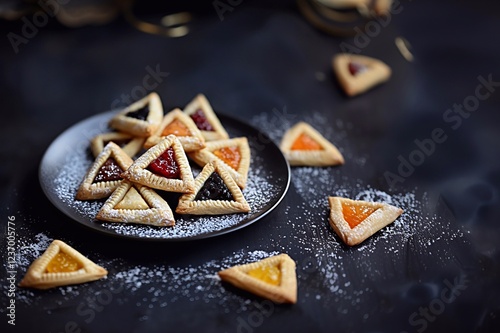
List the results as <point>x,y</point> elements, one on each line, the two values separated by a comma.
<point>195,283</point>
<point>335,276</point>
<point>159,285</point>
<point>383,256</point>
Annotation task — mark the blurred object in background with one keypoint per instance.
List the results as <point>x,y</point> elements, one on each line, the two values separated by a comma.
<point>342,17</point>
<point>73,14</point>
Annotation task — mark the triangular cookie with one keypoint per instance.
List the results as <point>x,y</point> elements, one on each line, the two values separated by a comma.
<point>215,193</point>
<point>234,153</point>
<point>179,124</point>
<point>105,174</point>
<point>140,118</point>
<point>356,220</point>
<point>302,145</point>
<point>61,265</point>
<point>357,74</point>
<point>130,144</point>
<point>136,204</point>
<point>200,110</point>
<point>163,167</point>
<point>273,278</point>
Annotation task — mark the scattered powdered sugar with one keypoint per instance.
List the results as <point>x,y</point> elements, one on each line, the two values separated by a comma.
<point>159,285</point>
<point>29,250</point>
<point>195,283</point>
<point>333,272</point>
<point>382,257</point>
<point>338,277</point>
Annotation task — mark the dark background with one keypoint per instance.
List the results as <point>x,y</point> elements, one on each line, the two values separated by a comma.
<point>264,56</point>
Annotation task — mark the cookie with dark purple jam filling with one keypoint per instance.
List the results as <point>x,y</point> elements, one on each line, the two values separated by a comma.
<point>216,193</point>
<point>141,118</point>
<point>105,173</point>
<point>214,188</point>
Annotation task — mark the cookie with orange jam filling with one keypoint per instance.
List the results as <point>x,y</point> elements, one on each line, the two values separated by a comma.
<point>303,145</point>
<point>61,265</point>
<point>356,220</point>
<point>234,153</point>
<point>183,127</point>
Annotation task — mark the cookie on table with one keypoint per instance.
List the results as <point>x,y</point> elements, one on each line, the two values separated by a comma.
<point>273,278</point>
<point>357,74</point>
<point>61,265</point>
<point>303,145</point>
<point>356,220</point>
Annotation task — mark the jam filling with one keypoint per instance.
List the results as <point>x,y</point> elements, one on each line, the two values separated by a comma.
<point>269,274</point>
<point>214,189</point>
<point>177,128</point>
<point>166,165</point>
<point>305,142</point>
<point>63,263</point>
<point>109,171</point>
<point>354,215</point>
<point>201,121</point>
<point>356,68</point>
<point>230,155</point>
<point>141,114</point>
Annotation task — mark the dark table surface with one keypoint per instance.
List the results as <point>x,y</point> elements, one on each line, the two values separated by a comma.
<point>436,269</point>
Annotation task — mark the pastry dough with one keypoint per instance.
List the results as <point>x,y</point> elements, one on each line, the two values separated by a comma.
<point>374,73</point>
<point>131,144</point>
<point>138,127</point>
<point>200,106</point>
<point>226,149</point>
<point>137,204</point>
<point>183,127</point>
<point>91,187</point>
<point>189,205</point>
<point>284,291</point>
<point>79,270</point>
<point>323,154</point>
<point>138,172</point>
<point>363,220</point>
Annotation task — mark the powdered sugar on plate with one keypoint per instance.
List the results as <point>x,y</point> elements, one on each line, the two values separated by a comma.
<point>266,185</point>
<point>257,193</point>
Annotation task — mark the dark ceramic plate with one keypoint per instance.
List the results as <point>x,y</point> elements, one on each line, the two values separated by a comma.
<point>67,159</point>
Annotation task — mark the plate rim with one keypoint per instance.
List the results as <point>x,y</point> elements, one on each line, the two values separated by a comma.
<point>207,235</point>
